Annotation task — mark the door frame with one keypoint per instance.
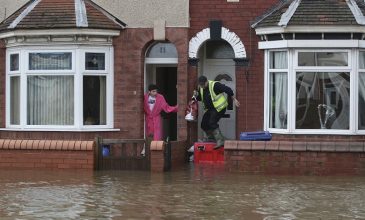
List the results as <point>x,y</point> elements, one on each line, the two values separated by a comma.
<point>155,62</point>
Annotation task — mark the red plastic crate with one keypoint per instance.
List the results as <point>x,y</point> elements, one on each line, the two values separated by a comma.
<point>204,153</point>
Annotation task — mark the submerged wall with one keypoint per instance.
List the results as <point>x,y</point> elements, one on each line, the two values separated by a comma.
<point>295,158</point>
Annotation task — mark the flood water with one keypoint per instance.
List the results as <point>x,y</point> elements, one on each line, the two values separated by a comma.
<point>189,193</point>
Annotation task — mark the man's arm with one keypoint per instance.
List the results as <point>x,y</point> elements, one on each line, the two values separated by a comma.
<point>220,88</point>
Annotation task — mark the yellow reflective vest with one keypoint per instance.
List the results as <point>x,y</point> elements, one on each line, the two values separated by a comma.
<point>219,101</point>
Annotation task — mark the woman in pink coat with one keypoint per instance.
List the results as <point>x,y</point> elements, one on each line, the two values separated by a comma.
<point>154,104</point>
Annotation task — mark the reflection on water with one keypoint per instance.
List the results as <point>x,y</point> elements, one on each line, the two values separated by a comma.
<point>192,193</point>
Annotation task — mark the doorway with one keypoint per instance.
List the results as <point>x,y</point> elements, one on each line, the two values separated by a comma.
<point>218,65</point>
<point>161,69</point>
<point>165,77</point>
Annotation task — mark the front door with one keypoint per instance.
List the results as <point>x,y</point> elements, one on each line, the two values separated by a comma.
<point>165,77</point>
<point>222,70</point>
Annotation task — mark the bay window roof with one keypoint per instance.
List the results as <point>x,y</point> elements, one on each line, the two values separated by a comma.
<point>312,13</point>
<point>60,14</point>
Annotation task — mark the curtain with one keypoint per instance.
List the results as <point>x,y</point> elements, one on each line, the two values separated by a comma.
<point>102,100</point>
<point>50,61</point>
<point>342,87</point>
<point>361,100</point>
<point>279,102</point>
<point>279,91</point>
<point>15,100</point>
<point>50,100</point>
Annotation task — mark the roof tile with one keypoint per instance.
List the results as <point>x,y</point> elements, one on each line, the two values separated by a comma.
<point>50,14</point>
<point>314,12</point>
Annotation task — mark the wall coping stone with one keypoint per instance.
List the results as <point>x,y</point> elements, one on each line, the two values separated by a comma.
<point>62,145</point>
<point>328,146</point>
<point>157,145</point>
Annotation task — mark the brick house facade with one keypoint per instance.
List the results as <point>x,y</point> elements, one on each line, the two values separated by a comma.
<point>233,38</point>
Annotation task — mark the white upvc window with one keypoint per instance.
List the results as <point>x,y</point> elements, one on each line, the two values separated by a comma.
<point>312,91</point>
<point>361,93</point>
<point>278,89</point>
<point>56,88</point>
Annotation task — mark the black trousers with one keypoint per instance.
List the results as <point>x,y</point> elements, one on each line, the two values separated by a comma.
<point>211,118</point>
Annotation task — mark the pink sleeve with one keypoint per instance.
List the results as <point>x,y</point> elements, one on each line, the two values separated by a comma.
<point>166,107</point>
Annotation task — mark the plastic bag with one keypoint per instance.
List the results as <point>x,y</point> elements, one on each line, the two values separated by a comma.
<point>191,112</point>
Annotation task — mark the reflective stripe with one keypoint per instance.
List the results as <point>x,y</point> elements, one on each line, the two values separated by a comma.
<point>219,101</point>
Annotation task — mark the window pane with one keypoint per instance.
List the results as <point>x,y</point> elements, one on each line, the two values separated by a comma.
<point>361,105</point>
<point>322,59</point>
<point>219,50</point>
<point>162,50</point>
<point>278,100</point>
<point>50,61</point>
<point>94,100</point>
<point>278,60</point>
<point>362,60</point>
<point>95,61</point>
<point>50,100</point>
<point>14,100</point>
<point>14,62</point>
<point>322,100</point>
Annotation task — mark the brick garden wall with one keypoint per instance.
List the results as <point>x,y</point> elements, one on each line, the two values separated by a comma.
<point>37,154</point>
<point>38,159</point>
<point>295,158</point>
<point>178,154</point>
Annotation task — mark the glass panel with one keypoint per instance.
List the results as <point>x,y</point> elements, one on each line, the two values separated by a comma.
<point>50,100</point>
<point>95,61</point>
<point>162,50</point>
<point>322,59</point>
<point>322,100</point>
<point>361,105</point>
<point>14,100</point>
<point>278,100</point>
<point>219,50</point>
<point>278,60</point>
<point>14,62</point>
<point>362,60</point>
<point>50,61</point>
<point>94,100</point>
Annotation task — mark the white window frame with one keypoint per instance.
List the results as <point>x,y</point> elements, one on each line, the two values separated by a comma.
<point>267,90</point>
<point>78,71</point>
<point>293,68</point>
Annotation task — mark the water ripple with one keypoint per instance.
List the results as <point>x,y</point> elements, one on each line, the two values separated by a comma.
<point>194,193</point>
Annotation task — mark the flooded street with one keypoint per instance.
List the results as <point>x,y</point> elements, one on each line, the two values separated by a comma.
<point>191,193</point>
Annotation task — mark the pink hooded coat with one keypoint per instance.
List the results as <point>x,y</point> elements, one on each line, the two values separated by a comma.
<point>153,118</point>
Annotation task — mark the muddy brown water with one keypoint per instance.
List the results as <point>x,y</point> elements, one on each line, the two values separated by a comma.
<point>193,192</point>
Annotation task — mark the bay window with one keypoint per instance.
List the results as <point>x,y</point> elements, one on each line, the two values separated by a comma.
<point>56,89</point>
<point>313,91</point>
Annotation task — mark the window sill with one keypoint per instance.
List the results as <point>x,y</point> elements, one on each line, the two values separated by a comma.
<point>317,132</point>
<point>61,129</point>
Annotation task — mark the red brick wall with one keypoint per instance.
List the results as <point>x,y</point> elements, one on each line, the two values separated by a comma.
<point>130,48</point>
<point>295,163</point>
<point>179,156</point>
<point>237,17</point>
<point>50,159</point>
<point>314,138</point>
<point>295,158</point>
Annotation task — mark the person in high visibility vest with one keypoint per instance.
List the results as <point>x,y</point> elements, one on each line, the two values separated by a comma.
<point>211,93</point>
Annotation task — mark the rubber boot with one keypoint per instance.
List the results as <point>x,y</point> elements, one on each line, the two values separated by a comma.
<point>209,136</point>
<point>219,138</point>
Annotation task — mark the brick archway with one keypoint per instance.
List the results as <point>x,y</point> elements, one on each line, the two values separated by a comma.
<point>204,35</point>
